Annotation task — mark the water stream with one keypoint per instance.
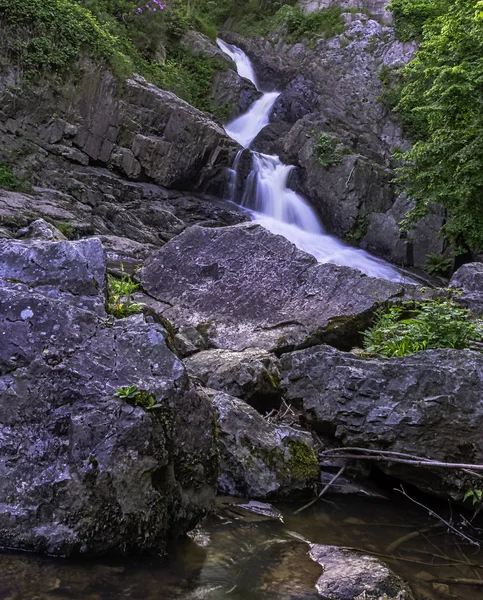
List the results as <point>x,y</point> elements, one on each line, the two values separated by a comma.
<point>232,556</point>
<point>273,204</point>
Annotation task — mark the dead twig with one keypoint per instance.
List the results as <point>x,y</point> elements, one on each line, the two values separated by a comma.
<point>331,482</point>
<point>431,513</point>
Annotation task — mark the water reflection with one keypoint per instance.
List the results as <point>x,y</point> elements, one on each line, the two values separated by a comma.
<point>244,557</point>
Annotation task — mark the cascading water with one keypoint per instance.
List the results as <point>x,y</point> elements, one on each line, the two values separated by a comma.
<point>275,206</point>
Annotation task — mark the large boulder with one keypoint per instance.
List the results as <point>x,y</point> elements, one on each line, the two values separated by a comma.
<point>82,471</point>
<point>428,405</point>
<point>248,288</point>
<point>468,280</point>
<point>259,459</point>
<point>349,575</point>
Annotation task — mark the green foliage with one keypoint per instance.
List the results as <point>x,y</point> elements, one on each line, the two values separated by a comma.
<point>410,16</point>
<point>476,495</point>
<point>437,264</point>
<point>442,100</point>
<point>412,327</point>
<point>326,150</point>
<point>10,181</point>
<point>51,34</point>
<point>120,292</point>
<point>137,397</point>
<point>324,23</point>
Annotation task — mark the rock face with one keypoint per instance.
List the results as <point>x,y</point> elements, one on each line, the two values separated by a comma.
<point>351,576</point>
<point>258,459</point>
<point>102,163</point>
<point>469,280</point>
<point>245,287</point>
<point>252,375</point>
<point>427,404</point>
<point>82,471</point>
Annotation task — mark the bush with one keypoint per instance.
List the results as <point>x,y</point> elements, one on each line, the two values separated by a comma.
<point>325,23</point>
<point>51,34</point>
<point>410,16</point>
<point>441,98</point>
<point>326,150</point>
<point>412,327</point>
<point>10,181</point>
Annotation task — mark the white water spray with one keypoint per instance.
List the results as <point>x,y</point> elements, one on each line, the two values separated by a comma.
<point>278,208</point>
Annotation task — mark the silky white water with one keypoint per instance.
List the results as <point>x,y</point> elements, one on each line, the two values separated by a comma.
<point>273,204</point>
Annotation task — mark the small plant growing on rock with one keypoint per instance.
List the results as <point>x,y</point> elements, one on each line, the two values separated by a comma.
<point>326,150</point>
<point>137,397</point>
<point>411,327</point>
<point>120,292</point>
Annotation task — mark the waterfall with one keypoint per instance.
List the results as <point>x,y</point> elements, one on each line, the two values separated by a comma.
<point>273,204</point>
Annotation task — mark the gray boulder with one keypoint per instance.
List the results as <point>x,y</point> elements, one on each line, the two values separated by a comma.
<point>248,288</point>
<point>252,375</point>
<point>259,459</point>
<point>82,471</point>
<point>469,280</point>
<point>352,576</point>
<point>428,405</point>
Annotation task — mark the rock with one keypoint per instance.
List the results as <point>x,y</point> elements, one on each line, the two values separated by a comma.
<point>249,288</point>
<point>352,576</point>
<point>40,229</point>
<point>251,375</point>
<point>232,93</point>
<point>427,404</point>
<point>469,280</point>
<point>258,459</point>
<point>103,204</point>
<point>82,471</point>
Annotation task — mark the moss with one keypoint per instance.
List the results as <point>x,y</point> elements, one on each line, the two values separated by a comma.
<point>66,229</point>
<point>303,464</point>
<point>270,383</point>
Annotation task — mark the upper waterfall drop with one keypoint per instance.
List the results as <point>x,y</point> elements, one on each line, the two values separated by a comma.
<point>273,204</point>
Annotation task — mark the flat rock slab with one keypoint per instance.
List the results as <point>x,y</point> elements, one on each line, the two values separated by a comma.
<point>243,286</point>
<point>82,471</point>
<point>428,404</point>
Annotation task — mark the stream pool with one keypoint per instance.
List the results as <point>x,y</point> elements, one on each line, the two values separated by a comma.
<point>235,555</point>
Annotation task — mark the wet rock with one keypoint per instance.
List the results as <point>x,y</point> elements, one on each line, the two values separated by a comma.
<point>232,93</point>
<point>82,471</point>
<point>259,459</point>
<point>469,280</point>
<point>249,288</point>
<point>251,375</point>
<point>427,404</point>
<point>352,576</point>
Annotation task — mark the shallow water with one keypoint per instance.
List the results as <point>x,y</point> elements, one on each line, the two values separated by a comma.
<point>239,556</point>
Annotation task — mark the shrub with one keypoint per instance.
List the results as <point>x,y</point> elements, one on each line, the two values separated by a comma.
<point>10,181</point>
<point>325,23</point>
<point>410,16</point>
<point>437,264</point>
<point>326,150</point>
<point>412,327</point>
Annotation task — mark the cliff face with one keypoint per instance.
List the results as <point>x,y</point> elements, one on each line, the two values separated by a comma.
<point>113,159</point>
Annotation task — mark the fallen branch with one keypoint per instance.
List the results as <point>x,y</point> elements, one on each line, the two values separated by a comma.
<point>331,482</point>
<point>398,457</point>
